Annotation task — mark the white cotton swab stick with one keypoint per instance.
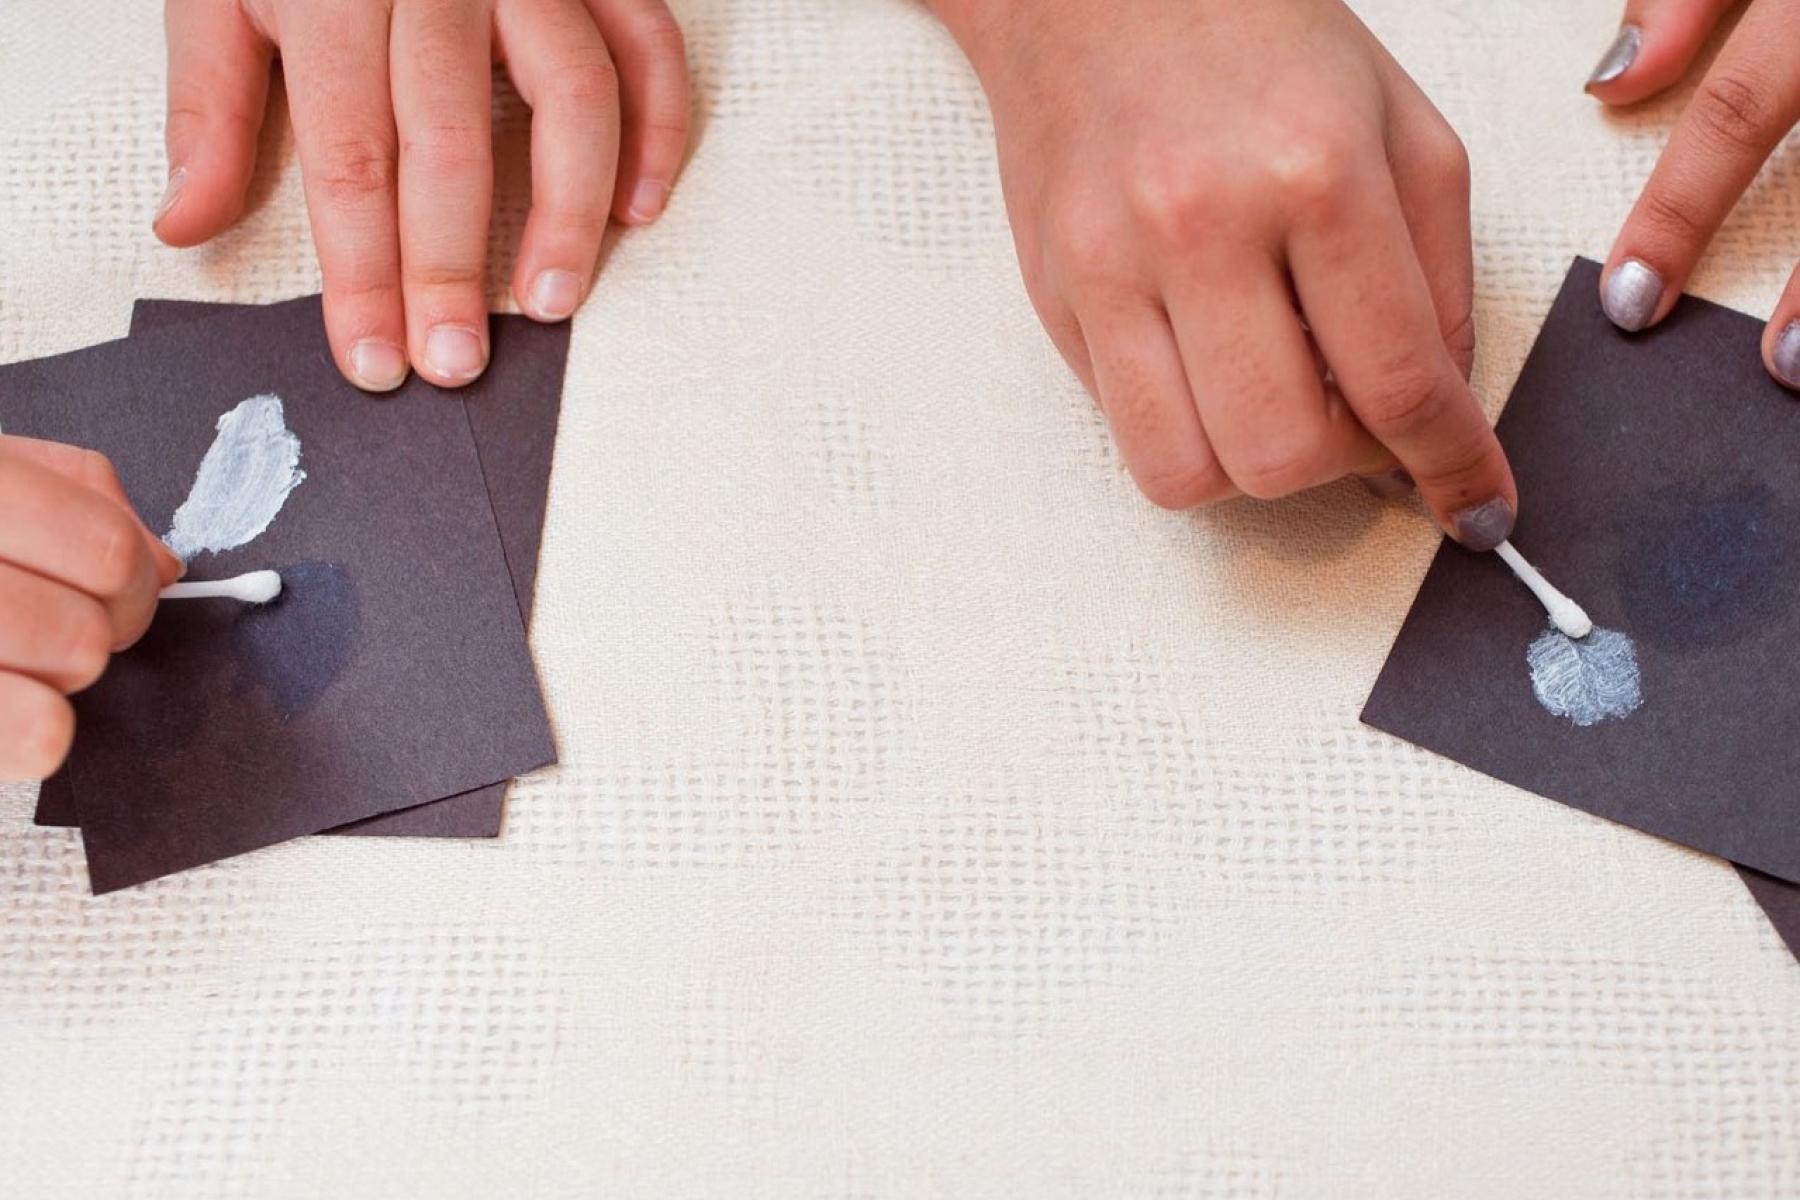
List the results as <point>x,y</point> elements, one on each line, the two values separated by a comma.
<point>1565,614</point>
<point>257,587</point>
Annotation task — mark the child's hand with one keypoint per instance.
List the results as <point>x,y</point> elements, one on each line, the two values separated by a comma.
<point>390,102</point>
<point>1214,202</point>
<point>79,575</point>
<point>1746,104</point>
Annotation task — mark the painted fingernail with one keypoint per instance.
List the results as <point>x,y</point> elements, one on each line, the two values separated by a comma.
<point>1787,355</point>
<point>454,352</point>
<point>1631,295</point>
<point>555,294</point>
<point>647,200</point>
<point>1389,485</point>
<point>1484,526</point>
<point>377,365</point>
<point>171,193</point>
<point>1619,56</point>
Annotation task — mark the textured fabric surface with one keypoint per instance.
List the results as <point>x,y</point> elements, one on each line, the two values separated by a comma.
<point>936,817</point>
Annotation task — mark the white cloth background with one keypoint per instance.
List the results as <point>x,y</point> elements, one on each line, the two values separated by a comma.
<point>936,817</point>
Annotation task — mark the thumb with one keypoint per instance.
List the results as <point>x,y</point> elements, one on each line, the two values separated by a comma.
<point>218,83</point>
<point>1654,47</point>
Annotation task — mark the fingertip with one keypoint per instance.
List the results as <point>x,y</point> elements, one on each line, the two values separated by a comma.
<point>169,567</point>
<point>452,354</point>
<point>1782,355</point>
<point>551,295</point>
<point>645,202</point>
<point>1620,56</point>
<point>1481,527</point>
<point>199,201</point>
<point>1631,295</point>
<point>375,365</point>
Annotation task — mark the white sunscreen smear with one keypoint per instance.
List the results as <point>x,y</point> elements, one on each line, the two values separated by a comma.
<point>251,466</point>
<point>1588,681</point>
<point>256,587</point>
<point>1565,614</point>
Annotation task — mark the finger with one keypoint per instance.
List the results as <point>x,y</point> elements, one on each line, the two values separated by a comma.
<point>92,470</point>
<point>1747,102</point>
<point>1655,45</point>
<point>1366,299</point>
<point>1264,407</point>
<point>442,68</point>
<point>563,71</point>
<point>36,727</point>
<point>1144,392</point>
<point>647,45</point>
<point>218,84</point>
<point>71,533</point>
<point>1431,176</point>
<point>1781,339</point>
<point>337,80</point>
<point>52,633</point>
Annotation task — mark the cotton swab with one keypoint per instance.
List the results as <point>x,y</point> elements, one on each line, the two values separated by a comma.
<point>1565,614</point>
<point>257,587</point>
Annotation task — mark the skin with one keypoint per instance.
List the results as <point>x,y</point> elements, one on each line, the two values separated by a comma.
<point>390,103</point>
<point>1746,103</point>
<point>79,574</point>
<point>1248,233</point>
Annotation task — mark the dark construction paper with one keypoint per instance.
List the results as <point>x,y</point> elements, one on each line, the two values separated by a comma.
<point>1659,476</point>
<point>394,669</point>
<point>513,413</point>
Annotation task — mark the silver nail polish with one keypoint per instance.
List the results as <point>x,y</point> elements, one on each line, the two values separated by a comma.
<point>1485,526</point>
<point>1631,295</point>
<point>1619,56</point>
<point>1787,355</point>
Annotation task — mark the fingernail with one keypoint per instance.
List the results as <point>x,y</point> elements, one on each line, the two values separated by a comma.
<point>647,200</point>
<point>1619,56</point>
<point>1787,355</point>
<point>1484,526</point>
<point>1631,295</point>
<point>171,193</point>
<point>554,294</point>
<point>453,352</point>
<point>1389,485</point>
<point>378,366</point>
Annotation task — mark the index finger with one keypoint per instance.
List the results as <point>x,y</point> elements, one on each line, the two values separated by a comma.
<point>1370,308</point>
<point>92,470</point>
<point>1745,105</point>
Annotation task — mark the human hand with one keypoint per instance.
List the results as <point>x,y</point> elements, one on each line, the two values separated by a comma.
<point>390,102</point>
<point>1248,233</point>
<point>79,575</point>
<point>1746,104</point>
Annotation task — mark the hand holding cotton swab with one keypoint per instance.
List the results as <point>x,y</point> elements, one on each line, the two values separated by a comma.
<point>1565,614</point>
<point>257,587</point>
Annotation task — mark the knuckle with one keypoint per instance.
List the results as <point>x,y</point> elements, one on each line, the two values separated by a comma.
<point>1673,215</point>
<point>1088,238</point>
<point>1176,202</point>
<point>1731,109</point>
<point>1410,395</point>
<point>587,79</point>
<point>86,645</point>
<point>45,725</point>
<point>659,33</point>
<point>356,171</point>
<point>118,548</point>
<point>1449,160</point>
<point>1189,483</point>
<point>1278,467</point>
<point>1459,339</point>
<point>424,274</point>
<point>1311,167</point>
<point>96,470</point>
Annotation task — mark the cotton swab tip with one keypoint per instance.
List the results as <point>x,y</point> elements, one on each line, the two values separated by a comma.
<point>1568,617</point>
<point>256,587</point>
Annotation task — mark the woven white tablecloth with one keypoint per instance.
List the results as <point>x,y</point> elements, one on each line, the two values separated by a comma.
<point>936,817</point>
